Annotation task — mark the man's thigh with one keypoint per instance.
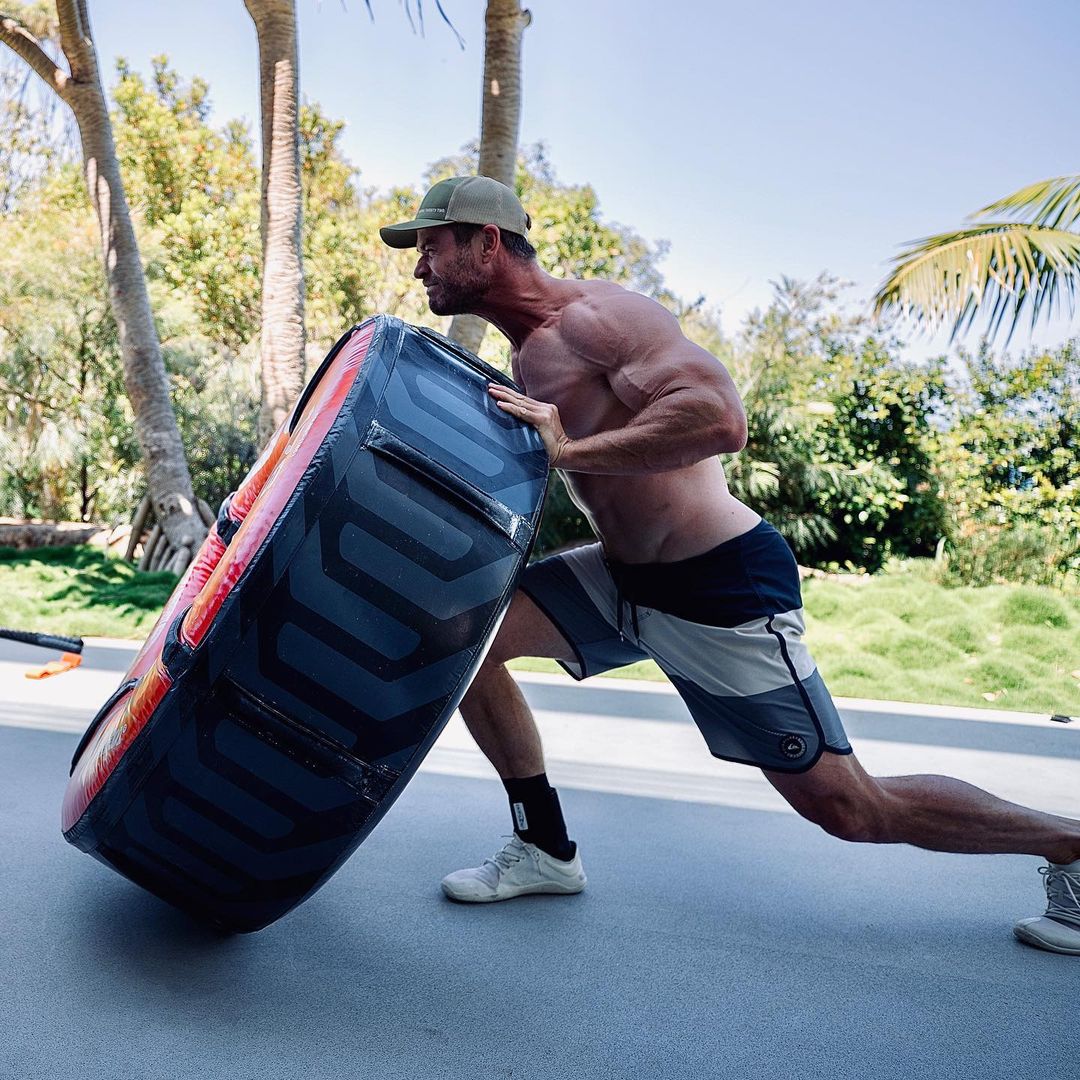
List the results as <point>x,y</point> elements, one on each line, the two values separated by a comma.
<point>527,631</point>
<point>577,599</point>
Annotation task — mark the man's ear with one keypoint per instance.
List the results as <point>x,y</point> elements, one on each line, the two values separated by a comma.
<point>490,242</point>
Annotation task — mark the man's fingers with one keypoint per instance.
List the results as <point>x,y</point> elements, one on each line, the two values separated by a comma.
<point>542,415</point>
<point>504,393</point>
<point>512,401</point>
<point>518,408</point>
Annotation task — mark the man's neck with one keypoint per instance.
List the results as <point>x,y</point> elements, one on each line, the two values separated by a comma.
<point>525,299</point>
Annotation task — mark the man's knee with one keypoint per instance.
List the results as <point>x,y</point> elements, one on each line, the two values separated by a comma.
<point>501,652</point>
<point>858,815</point>
<point>489,680</point>
<point>841,797</point>
<point>855,819</point>
<point>526,631</point>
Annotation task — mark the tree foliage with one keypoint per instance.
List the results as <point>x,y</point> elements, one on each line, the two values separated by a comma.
<point>856,454</point>
<point>66,438</point>
<point>1017,434</point>
<point>191,189</point>
<point>1011,458</point>
<point>35,135</point>
<point>842,432</point>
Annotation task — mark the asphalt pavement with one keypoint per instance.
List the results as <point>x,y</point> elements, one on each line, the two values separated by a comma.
<point>720,935</point>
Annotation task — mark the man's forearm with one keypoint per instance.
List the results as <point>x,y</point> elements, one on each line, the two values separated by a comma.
<point>662,437</point>
<point>677,429</point>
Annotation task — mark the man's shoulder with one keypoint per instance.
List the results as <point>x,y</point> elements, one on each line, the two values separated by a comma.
<point>603,315</point>
<point>595,296</point>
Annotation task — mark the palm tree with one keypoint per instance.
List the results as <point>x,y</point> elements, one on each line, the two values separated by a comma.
<point>282,334</point>
<point>181,525</point>
<point>281,340</point>
<point>1020,256</point>
<point>504,23</point>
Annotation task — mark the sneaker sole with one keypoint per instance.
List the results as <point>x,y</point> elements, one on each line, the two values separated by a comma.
<point>1033,939</point>
<point>548,888</point>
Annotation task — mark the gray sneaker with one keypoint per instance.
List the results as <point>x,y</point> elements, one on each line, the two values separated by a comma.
<point>520,869</point>
<point>1059,929</point>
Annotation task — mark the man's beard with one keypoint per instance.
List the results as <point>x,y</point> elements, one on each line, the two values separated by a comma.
<point>459,296</point>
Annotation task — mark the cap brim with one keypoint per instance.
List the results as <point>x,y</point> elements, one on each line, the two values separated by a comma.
<point>404,235</point>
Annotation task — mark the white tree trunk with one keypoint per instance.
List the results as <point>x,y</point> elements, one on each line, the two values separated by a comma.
<point>282,337</point>
<point>504,24</point>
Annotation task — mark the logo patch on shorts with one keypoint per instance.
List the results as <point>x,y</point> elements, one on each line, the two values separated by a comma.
<point>793,747</point>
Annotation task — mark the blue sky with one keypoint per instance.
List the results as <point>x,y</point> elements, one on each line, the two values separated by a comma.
<point>758,139</point>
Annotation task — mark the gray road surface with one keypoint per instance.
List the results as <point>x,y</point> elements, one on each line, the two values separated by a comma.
<point>720,935</point>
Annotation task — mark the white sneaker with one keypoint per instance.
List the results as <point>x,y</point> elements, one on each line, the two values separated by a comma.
<point>1059,929</point>
<point>518,870</point>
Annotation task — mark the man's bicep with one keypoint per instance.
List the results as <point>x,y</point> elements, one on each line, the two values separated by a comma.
<point>657,358</point>
<point>644,349</point>
<point>641,349</point>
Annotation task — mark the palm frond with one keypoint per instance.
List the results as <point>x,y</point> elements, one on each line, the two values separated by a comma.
<point>997,269</point>
<point>752,478</point>
<point>417,24</point>
<point>453,28</point>
<point>803,531</point>
<point>1054,203</point>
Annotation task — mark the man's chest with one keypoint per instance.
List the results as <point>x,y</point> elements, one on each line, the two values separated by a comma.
<point>576,386</point>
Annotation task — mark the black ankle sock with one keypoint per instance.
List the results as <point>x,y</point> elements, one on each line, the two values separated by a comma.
<point>537,816</point>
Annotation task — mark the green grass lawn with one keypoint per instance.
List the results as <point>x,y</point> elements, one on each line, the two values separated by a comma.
<point>79,591</point>
<point>904,638</point>
<point>897,636</point>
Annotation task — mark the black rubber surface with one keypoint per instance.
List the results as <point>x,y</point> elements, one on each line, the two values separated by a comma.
<point>342,650</point>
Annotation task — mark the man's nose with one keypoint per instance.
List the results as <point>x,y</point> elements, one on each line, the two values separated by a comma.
<point>421,267</point>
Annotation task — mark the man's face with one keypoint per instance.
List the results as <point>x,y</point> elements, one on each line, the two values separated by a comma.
<point>451,273</point>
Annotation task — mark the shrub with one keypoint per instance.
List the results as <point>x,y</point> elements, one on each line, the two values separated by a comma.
<point>563,524</point>
<point>998,675</point>
<point>908,649</point>
<point>1032,608</point>
<point>982,554</point>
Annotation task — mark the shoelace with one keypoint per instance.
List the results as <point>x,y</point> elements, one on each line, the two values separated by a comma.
<point>1062,893</point>
<point>511,854</point>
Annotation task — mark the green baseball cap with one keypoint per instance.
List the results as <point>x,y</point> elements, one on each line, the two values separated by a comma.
<point>472,200</point>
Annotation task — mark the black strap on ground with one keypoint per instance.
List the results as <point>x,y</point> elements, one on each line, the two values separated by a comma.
<point>44,641</point>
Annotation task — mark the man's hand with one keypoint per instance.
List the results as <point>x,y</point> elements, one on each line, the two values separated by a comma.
<point>542,415</point>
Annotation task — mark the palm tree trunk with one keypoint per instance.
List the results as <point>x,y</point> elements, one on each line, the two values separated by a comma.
<point>145,379</point>
<point>504,24</point>
<point>282,336</point>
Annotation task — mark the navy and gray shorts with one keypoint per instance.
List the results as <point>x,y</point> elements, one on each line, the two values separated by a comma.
<point>726,627</point>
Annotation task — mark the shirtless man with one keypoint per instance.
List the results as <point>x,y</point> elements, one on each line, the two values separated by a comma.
<point>634,416</point>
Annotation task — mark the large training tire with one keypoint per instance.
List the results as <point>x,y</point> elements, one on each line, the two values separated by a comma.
<point>324,634</point>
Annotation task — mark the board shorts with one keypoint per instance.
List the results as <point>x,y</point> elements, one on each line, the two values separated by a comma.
<point>726,628</point>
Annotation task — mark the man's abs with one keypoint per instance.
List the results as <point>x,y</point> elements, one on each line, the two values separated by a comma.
<point>662,517</point>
